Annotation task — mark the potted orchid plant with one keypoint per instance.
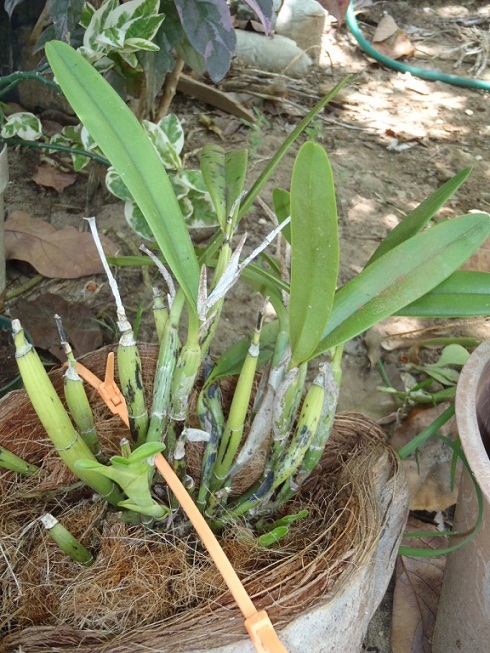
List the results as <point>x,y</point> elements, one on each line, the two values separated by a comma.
<point>258,421</point>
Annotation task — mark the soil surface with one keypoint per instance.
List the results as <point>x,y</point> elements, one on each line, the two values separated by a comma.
<point>392,140</point>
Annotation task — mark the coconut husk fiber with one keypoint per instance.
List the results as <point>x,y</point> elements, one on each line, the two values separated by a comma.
<point>150,590</point>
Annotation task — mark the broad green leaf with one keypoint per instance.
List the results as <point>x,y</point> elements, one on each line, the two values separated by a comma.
<point>420,216</point>
<point>282,208</point>
<point>314,250</point>
<point>463,294</point>
<point>224,175</point>
<point>403,274</point>
<point>123,141</point>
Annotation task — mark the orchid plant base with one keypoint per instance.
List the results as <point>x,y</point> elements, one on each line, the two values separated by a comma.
<point>149,588</point>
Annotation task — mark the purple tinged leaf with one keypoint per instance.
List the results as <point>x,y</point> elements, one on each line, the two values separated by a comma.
<point>263,9</point>
<point>207,24</point>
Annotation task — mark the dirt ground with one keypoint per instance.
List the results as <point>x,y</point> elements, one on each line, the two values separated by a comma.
<point>392,140</point>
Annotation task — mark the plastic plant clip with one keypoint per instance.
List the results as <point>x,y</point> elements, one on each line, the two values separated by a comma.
<point>258,625</point>
<point>107,388</point>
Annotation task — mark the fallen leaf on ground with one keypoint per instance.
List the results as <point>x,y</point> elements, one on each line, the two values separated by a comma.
<point>428,471</point>
<point>392,41</point>
<point>418,584</point>
<point>50,177</point>
<point>335,7</point>
<point>37,317</point>
<point>55,253</point>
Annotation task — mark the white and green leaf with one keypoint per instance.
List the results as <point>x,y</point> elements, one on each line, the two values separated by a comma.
<point>23,125</point>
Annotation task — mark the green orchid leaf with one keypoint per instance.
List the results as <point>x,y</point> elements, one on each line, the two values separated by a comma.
<point>403,274</point>
<point>463,294</point>
<point>123,141</point>
<point>270,538</point>
<point>224,175</point>
<point>287,520</point>
<point>314,250</point>
<point>420,216</point>
<point>443,375</point>
<point>282,208</point>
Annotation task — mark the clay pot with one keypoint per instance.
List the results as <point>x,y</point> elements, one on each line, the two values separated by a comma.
<point>320,588</point>
<point>463,619</point>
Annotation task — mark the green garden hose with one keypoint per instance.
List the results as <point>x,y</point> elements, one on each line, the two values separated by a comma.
<point>431,75</point>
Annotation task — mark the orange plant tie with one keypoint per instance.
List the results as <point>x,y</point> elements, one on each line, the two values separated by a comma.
<point>258,624</point>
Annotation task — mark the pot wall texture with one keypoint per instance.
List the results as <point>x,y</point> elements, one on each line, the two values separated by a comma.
<point>463,620</point>
<point>340,622</point>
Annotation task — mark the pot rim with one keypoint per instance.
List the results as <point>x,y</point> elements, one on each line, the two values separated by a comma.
<point>469,387</point>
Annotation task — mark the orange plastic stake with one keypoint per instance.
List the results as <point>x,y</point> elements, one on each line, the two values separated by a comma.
<point>107,388</point>
<point>258,624</point>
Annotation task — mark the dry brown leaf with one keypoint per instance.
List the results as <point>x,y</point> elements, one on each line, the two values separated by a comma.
<point>37,316</point>
<point>386,28</point>
<point>335,7</point>
<point>50,177</point>
<point>417,591</point>
<point>429,471</point>
<point>56,253</point>
<point>391,41</point>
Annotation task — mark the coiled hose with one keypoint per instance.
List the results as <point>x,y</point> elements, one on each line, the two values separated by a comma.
<point>430,75</point>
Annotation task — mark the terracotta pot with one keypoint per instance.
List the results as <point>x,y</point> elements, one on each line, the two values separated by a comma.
<point>320,590</point>
<point>463,619</point>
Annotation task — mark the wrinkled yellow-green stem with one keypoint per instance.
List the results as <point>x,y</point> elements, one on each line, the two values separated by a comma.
<point>131,381</point>
<point>319,441</point>
<point>13,463</point>
<point>79,406</point>
<point>69,445</point>
<point>160,313</point>
<point>183,380</point>
<point>167,357</point>
<point>235,423</point>
<point>211,418</point>
<point>311,413</point>
<point>290,461</point>
<point>65,540</point>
